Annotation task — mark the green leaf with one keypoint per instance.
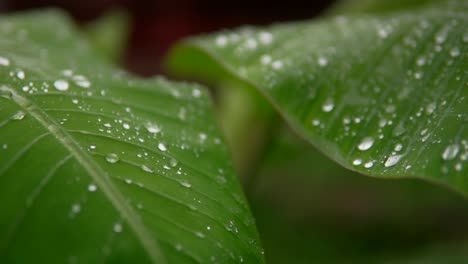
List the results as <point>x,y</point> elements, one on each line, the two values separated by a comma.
<point>384,95</point>
<point>98,166</point>
<point>375,6</point>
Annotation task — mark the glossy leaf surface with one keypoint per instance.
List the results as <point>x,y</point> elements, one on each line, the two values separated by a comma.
<point>99,166</point>
<point>384,95</point>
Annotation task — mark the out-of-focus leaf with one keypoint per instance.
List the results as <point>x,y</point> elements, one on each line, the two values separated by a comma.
<point>109,34</point>
<point>100,166</point>
<point>382,95</point>
<point>375,6</point>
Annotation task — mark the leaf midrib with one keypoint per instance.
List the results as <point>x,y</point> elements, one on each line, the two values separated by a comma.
<point>95,172</point>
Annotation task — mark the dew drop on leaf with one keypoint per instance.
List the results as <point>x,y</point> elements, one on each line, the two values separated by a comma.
<point>173,162</point>
<point>185,184</point>
<point>450,152</point>
<point>152,128</point>
<point>328,105</point>
<point>146,168</point>
<point>18,115</point>
<point>366,143</point>
<point>92,187</point>
<point>392,160</point>
<point>357,162</point>
<point>112,158</point>
<point>61,85</point>
<point>162,147</point>
<point>117,228</point>
<point>4,61</point>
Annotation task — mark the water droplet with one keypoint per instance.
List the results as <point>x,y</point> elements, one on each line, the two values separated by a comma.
<point>265,59</point>
<point>196,92</point>
<point>117,228</point>
<point>128,181</point>
<point>392,160</point>
<point>4,61</point>
<point>277,65</point>
<point>92,147</point>
<point>322,61</point>
<point>368,165</point>
<point>265,37</point>
<point>200,234</point>
<point>76,208</point>
<point>455,52</point>
<point>92,187</point>
<point>251,43</point>
<point>315,122</point>
<point>80,80</point>
<point>328,105</point>
<point>221,41</point>
<point>430,108</point>
<point>5,146</point>
<point>366,143</point>
<point>126,126</point>
<point>61,85</point>
<point>18,115</point>
<point>147,168</point>
<point>421,61</point>
<point>458,167</point>
<point>112,158</point>
<point>173,162</point>
<point>398,147</point>
<point>185,184</point>
<point>152,128</point>
<point>162,147</point>
<point>20,75</point>
<point>450,152</point>
<point>357,162</point>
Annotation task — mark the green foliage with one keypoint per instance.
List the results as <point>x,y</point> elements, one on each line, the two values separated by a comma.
<point>97,165</point>
<point>383,95</point>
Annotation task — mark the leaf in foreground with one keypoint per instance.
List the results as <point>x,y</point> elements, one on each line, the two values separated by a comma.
<point>382,95</point>
<point>99,166</point>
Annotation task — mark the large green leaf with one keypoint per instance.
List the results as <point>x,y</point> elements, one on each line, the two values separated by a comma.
<point>100,166</point>
<point>384,95</point>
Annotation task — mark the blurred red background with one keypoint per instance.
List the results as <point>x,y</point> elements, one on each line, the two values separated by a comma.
<point>156,25</point>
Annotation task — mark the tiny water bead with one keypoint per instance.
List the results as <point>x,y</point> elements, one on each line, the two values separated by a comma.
<point>19,115</point>
<point>117,228</point>
<point>61,85</point>
<point>92,187</point>
<point>76,208</point>
<point>357,162</point>
<point>4,61</point>
<point>328,105</point>
<point>322,61</point>
<point>162,147</point>
<point>392,160</point>
<point>152,128</point>
<point>185,183</point>
<point>146,168</point>
<point>112,158</point>
<point>450,152</point>
<point>173,162</point>
<point>20,74</point>
<point>366,143</point>
<point>368,164</point>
